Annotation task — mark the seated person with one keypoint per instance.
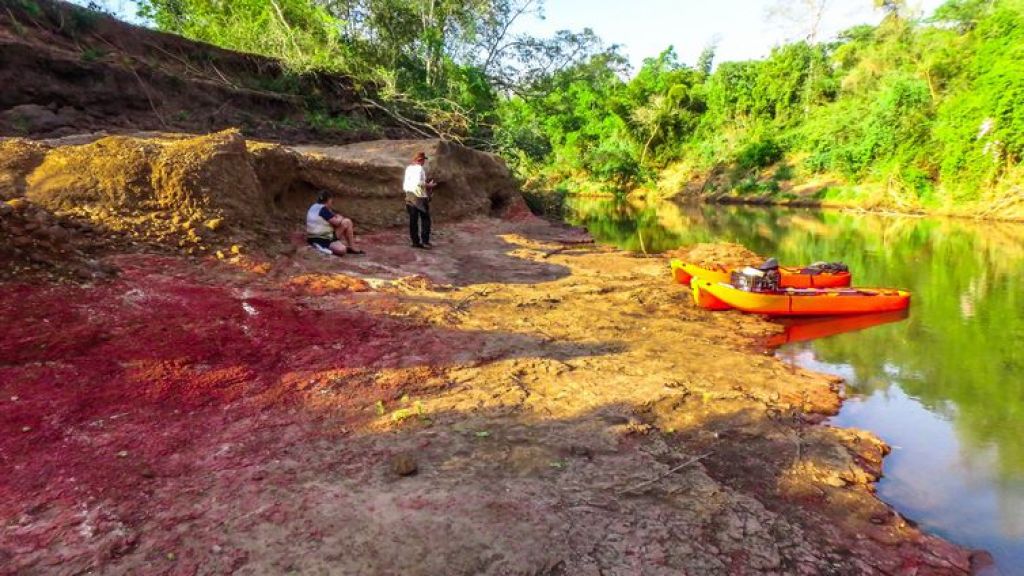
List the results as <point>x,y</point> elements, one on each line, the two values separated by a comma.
<point>324,226</point>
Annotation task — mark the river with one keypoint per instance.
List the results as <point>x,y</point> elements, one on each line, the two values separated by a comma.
<point>943,385</point>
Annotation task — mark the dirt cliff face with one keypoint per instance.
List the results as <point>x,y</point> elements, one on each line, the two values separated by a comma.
<point>67,70</point>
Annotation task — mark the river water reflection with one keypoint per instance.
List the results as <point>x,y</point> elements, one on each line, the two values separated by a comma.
<point>944,387</point>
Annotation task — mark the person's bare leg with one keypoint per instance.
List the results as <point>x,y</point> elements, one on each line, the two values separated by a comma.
<point>348,233</point>
<point>338,248</point>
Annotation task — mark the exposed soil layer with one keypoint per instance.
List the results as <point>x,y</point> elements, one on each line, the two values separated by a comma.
<point>516,401</point>
<point>66,70</point>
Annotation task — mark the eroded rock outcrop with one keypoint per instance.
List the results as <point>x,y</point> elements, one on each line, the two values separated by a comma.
<point>200,194</point>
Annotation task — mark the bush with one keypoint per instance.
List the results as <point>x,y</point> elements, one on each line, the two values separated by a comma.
<point>614,162</point>
<point>784,172</point>
<point>918,181</point>
<point>759,154</point>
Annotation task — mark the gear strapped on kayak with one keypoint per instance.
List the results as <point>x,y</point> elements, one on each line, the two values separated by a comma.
<point>761,279</point>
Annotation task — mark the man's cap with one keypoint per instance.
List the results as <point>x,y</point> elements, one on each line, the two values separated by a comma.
<point>769,264</point>
<point>323,196</point>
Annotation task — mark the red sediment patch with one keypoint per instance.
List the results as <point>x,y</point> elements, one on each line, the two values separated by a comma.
<point>104,388</point>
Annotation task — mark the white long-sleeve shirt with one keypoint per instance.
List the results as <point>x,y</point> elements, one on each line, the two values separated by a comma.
<point>415,181</point>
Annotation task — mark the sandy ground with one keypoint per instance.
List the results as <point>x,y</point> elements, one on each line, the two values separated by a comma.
<point>516,401</point>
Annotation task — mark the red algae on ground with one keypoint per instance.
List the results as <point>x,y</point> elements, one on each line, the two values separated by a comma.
<point>105,387</point>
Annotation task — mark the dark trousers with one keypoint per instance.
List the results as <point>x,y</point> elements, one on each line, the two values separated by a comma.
<point>419,224</point>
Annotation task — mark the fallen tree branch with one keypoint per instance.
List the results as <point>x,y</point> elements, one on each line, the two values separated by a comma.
<point>410,124</point>
<point>671,471</point>
<point>189,68</point>
<point>223,77</point>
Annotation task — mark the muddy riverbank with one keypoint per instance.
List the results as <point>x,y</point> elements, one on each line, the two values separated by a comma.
<point>516,401</point>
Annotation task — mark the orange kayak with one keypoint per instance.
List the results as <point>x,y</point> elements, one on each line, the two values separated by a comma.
<point>790,276</point>
<point>809,301</point>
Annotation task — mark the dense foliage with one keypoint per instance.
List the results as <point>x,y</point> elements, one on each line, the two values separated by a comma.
<point>300,33</point>
<point>908,112</point>
<point>925,113</point>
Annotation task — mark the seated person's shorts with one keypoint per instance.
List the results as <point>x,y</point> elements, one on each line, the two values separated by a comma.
<point>322,242</point>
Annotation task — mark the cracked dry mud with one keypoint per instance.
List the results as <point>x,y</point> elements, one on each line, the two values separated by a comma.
<point>515,401</point>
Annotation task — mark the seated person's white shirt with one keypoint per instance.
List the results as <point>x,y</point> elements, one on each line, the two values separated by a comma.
<point>318,223</point>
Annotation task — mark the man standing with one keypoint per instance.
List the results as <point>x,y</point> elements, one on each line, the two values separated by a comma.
<point>417,201</point>
<point>324,226</point>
